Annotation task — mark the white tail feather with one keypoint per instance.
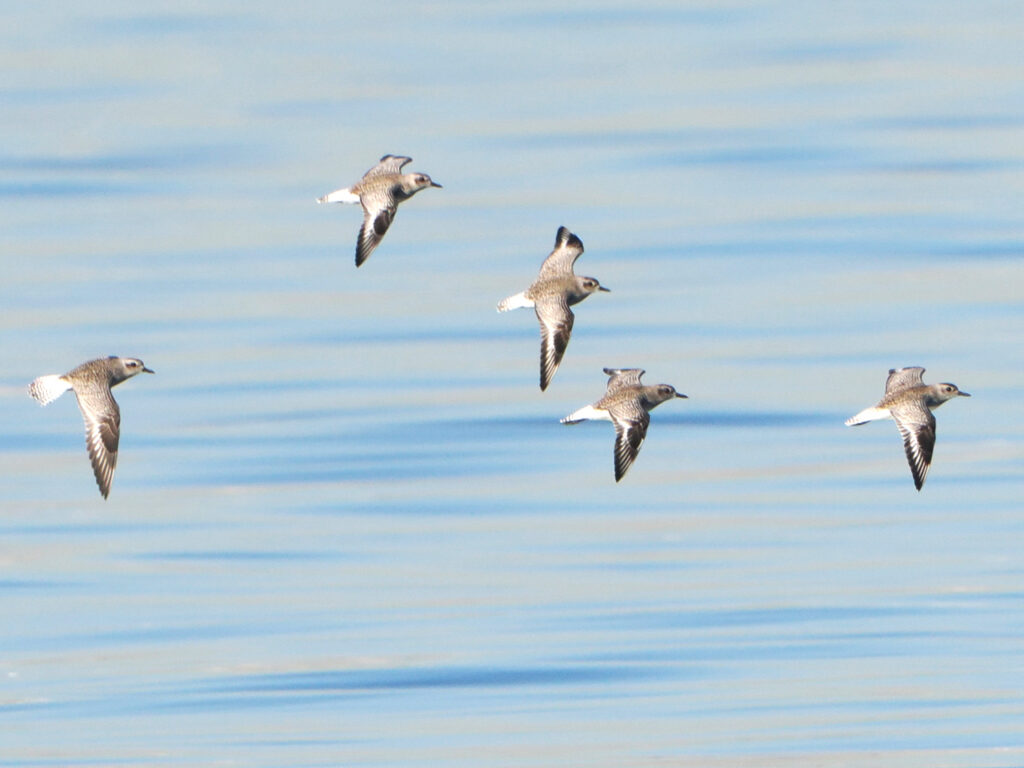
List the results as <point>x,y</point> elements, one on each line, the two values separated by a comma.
<point>46,389</point>
<point>514,302</point>
<point>868,414</point>
<point>584,413</point>
<point>339,196</point>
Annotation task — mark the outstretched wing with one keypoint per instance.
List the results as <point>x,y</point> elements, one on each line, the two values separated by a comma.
<point>388,164</point>
<point>102,432</point>
<point>375,223</point>
<point>904,378</point>
<point>631,423</point>
<point>917,427</point>
<point>622,378</point>
<point>556,321</point>
<point>559,262</point>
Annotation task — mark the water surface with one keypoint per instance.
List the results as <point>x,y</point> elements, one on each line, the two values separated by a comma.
<point>348,529</point>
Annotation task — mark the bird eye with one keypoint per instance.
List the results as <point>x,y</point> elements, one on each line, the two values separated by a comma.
<point>132,364</point>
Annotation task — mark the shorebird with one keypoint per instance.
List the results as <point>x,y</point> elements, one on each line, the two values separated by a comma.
<point>552,293</point>
<point>91,383</point>
<point>909,402</point>
<point>627,404</point>
<point>380,191</point>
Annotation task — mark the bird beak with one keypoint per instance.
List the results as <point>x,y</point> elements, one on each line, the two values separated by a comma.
<point>964,394</point>
<point>602,288</point>
<point>680,394</point>
<point>435,184</point>
<point>146,370</point>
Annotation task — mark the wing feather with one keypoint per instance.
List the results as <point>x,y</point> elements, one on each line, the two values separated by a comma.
<point>559,262</point>
<point>102,433</point>
<point>556,321</point>
<point>631,422</point>
<point>388,164</point>
<point>917,427</point>
<point>375,224</point>
<point>903,378</point>
<point>621,378</point>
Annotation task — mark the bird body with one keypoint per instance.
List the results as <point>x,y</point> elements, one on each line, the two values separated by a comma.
<point>91,383</point>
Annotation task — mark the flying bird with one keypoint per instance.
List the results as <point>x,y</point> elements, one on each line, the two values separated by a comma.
<point>555,290</point>
<point>380,191</point>
<point>91,383</point>
<point>627,405</point>
<point>909,402</point>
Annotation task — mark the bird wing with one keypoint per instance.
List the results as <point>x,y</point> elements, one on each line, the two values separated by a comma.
<point>378,213</point>
<point>559,262</point>
<point>631,423</point>
<point>102,432</point>
<point>917,427</point>
<point>622,378</point>
<point>556,321</point>
<point>388,164</point>
<point>903,378</point>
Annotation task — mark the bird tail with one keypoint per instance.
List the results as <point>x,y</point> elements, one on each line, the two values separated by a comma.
<point>868,414</point>
<point>584,413</point>
<point>514,302</point>
<point>339,196</point>
<point>46,389</point>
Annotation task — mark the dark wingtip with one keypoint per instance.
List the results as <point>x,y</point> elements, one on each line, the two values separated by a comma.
<point>565,237</point>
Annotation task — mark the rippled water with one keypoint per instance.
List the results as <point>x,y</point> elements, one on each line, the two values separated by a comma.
<point>346,527</point>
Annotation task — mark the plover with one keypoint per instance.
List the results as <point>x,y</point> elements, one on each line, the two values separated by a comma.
<point>380,191</point>
<point>552,293</point>
<point>627,404</point>
<point>909,402</point>
<point>91,382</point>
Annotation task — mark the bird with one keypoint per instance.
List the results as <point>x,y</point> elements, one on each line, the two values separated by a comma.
<point>555,290</point>
<point>380,191</point>
<point>91,382</point>
<point>909,402</point>
<point>627,404</point>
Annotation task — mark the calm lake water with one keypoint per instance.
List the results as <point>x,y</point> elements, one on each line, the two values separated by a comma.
<point>346,527</point>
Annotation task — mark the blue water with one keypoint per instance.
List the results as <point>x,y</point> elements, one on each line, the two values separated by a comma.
<point>347,529</point>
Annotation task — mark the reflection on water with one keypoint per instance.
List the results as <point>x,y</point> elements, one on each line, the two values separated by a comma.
<point>346,528</point>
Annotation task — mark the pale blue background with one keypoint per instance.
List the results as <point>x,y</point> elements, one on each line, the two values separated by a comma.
<point>347,529</point>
